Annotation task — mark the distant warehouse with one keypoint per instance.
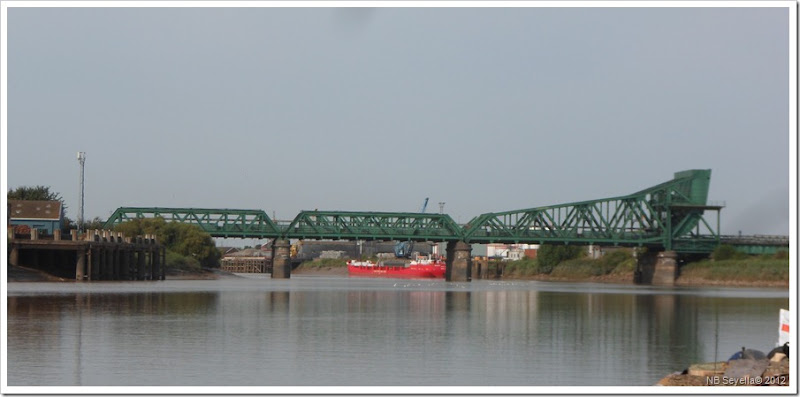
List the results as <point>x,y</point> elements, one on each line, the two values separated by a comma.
<point>46,216</point>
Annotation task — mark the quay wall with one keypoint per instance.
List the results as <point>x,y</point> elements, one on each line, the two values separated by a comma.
<point>95,255</point>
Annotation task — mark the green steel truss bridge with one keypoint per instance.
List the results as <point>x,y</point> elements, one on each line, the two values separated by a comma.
<point>668,216</point>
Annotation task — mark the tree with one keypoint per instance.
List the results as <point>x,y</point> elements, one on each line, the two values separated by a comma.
<point>549,256</point>
<point>34,193</point>
<point>40,193</point>
<point>179,238</point>
<point>726,252</point>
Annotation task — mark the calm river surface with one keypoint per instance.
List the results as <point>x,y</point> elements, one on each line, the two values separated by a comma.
<point>314,331</point>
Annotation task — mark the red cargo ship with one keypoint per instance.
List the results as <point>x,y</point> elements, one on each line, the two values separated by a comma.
<point>420,268</point>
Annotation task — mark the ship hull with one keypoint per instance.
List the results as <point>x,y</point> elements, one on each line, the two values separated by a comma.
<point>366,269</point>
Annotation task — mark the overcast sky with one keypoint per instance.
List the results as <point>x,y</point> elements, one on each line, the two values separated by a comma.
<point>374,109</point>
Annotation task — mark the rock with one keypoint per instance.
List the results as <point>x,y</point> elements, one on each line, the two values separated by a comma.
<point>707,369</point>
<point>777,357</point>
<point>746,368</point>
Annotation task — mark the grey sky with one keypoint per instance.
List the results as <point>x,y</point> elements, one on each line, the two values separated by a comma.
<point>376,109</point>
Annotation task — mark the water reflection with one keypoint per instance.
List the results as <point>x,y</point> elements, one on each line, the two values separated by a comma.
<point>374,333</point>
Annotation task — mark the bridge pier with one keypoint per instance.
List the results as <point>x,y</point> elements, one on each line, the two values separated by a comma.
<point>666,269</point>
<point>459,260</point>
<point>281,266</point>
<point>13,257</point>
<point>656,268</point>
<point>80,265</point>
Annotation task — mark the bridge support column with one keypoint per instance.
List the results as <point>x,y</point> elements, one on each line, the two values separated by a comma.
<point>459,260</point>
<point>13,258</point>
<point>281,266</point>
<point>645,267</point>
<point>666,269</point>
<point>80,266</point>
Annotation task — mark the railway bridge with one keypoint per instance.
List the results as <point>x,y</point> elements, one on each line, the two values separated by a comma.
<point>670,218</point>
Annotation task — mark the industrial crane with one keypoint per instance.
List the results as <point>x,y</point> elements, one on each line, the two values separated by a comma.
<point>403,248</point>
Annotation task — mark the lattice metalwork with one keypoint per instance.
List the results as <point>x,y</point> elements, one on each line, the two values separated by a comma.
<point>373,226</point>
<point>668,215</point>
<point>216,222</point>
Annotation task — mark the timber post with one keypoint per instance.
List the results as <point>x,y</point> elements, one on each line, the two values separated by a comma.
<point>140,259</point>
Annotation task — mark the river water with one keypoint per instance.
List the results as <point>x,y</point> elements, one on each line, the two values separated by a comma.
<point>339,331</point>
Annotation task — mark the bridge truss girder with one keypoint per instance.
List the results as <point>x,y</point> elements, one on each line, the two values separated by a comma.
<point>216,222</point>
<point>373,226</point>
<point>669,216</point>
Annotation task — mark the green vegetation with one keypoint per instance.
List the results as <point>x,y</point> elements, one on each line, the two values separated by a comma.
<point>577,267</point>
<point>188,246</point>
<point>726,252</point>
<point>522,268</point>
<point>735,268</point>
<point>745,269</point>
<point>617,262</point>
<point>550,256</point>
<point>323,263</point>
<point>42,193</point>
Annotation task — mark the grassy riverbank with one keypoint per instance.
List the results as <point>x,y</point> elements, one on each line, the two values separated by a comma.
<point>752,271</point>
<point>618,267</point>
<point>616,264</point>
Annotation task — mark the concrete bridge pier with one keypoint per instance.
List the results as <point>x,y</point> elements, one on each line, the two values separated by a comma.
<point>666,269</point>
<point>80,265</point>
<point>13,257</point>
<point>656,268</point>
<point>281,266</point>
<point>459,261</point>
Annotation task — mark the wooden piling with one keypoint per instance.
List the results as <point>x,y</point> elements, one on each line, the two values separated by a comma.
<point>140,259</point>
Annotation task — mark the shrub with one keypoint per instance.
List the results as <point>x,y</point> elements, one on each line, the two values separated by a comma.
<point>522,267</point>
<point>549,256</point>
<point>181,238</point>
<point>175,260</point>
<point>724,252</point>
